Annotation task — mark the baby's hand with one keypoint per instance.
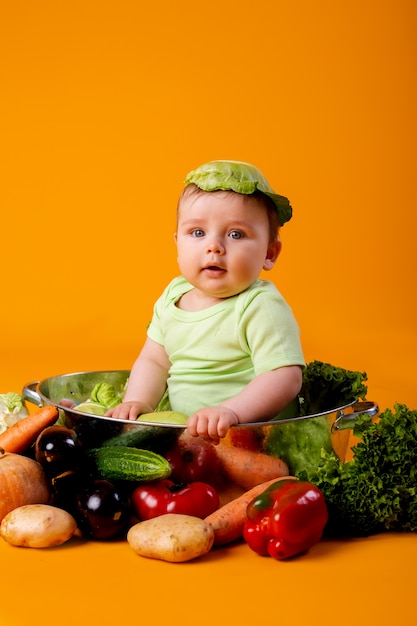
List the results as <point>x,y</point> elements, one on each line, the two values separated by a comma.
<point>129,410</point>
<point>211,423</point>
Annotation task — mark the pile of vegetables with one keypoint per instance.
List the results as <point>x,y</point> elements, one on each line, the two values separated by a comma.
<point>174,497</point>
<point>57,486</point>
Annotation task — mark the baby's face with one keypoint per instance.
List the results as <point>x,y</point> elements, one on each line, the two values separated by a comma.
<point>223,242</point>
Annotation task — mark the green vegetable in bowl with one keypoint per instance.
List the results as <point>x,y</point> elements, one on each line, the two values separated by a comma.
<point>102,398</point>
<point>300,443</point>
<point>325,387</point>
<point>93,408</point>
<point>106,395</point>
<point>377,490</point>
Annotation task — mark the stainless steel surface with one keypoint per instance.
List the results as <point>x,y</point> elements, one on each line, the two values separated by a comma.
<point>78,386</point>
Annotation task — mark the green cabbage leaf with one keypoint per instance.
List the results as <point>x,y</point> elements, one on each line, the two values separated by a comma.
<point>12,409</point>
<point>102,398</point>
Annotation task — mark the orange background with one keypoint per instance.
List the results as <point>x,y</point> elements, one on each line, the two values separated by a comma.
<point>104,107</point>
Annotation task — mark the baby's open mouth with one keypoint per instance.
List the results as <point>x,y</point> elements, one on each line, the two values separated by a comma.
<point>214,268</point>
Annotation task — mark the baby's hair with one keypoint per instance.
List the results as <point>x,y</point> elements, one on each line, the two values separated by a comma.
<point>261,198</point>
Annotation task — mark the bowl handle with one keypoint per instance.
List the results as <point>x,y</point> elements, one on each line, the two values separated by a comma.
<point>346,420</point>
<point>30,394</point>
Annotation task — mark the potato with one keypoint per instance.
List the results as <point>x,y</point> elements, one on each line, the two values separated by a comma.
<point>172,537</point>
<point>37,526</point>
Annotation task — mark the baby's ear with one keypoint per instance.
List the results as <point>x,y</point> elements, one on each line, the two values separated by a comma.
<point>272,254</point>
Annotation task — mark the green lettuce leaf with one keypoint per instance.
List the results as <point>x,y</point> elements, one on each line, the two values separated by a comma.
<point>377,490</point>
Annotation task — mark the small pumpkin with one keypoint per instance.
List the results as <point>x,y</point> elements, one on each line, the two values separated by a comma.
<point>22,481</point>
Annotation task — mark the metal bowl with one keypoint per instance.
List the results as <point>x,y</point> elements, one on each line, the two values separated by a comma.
<point>96,429</point>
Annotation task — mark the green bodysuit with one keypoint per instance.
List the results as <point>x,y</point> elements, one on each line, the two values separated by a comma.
<point>217,351</point>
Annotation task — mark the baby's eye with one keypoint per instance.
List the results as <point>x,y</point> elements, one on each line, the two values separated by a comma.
<point>235,234</point>
<point>197,232</point>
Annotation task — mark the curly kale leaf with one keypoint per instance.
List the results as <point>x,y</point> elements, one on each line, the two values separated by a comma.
<point>106,395</point>
<point>377,490</point>
<point>327,386</point>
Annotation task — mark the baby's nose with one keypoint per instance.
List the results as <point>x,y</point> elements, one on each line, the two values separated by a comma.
<point>215,246</point>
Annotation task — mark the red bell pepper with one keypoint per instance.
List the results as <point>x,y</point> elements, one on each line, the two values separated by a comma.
<point>286,519</point>
<point>163,496</point>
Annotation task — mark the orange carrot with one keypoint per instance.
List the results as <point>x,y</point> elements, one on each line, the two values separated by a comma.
<point>18,437</point>
<point>247,468</point>
<point>228,521</point>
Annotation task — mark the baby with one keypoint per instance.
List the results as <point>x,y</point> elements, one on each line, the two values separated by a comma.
<point>222,343</point>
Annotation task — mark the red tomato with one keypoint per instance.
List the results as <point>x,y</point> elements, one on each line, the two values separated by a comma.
<point>163,496</point>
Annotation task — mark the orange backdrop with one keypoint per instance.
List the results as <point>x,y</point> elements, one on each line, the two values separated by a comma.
<point>106,106</point>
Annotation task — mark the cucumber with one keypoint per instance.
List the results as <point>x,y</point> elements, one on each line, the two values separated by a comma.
<point>132,464</point>
<point>156,438</point>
